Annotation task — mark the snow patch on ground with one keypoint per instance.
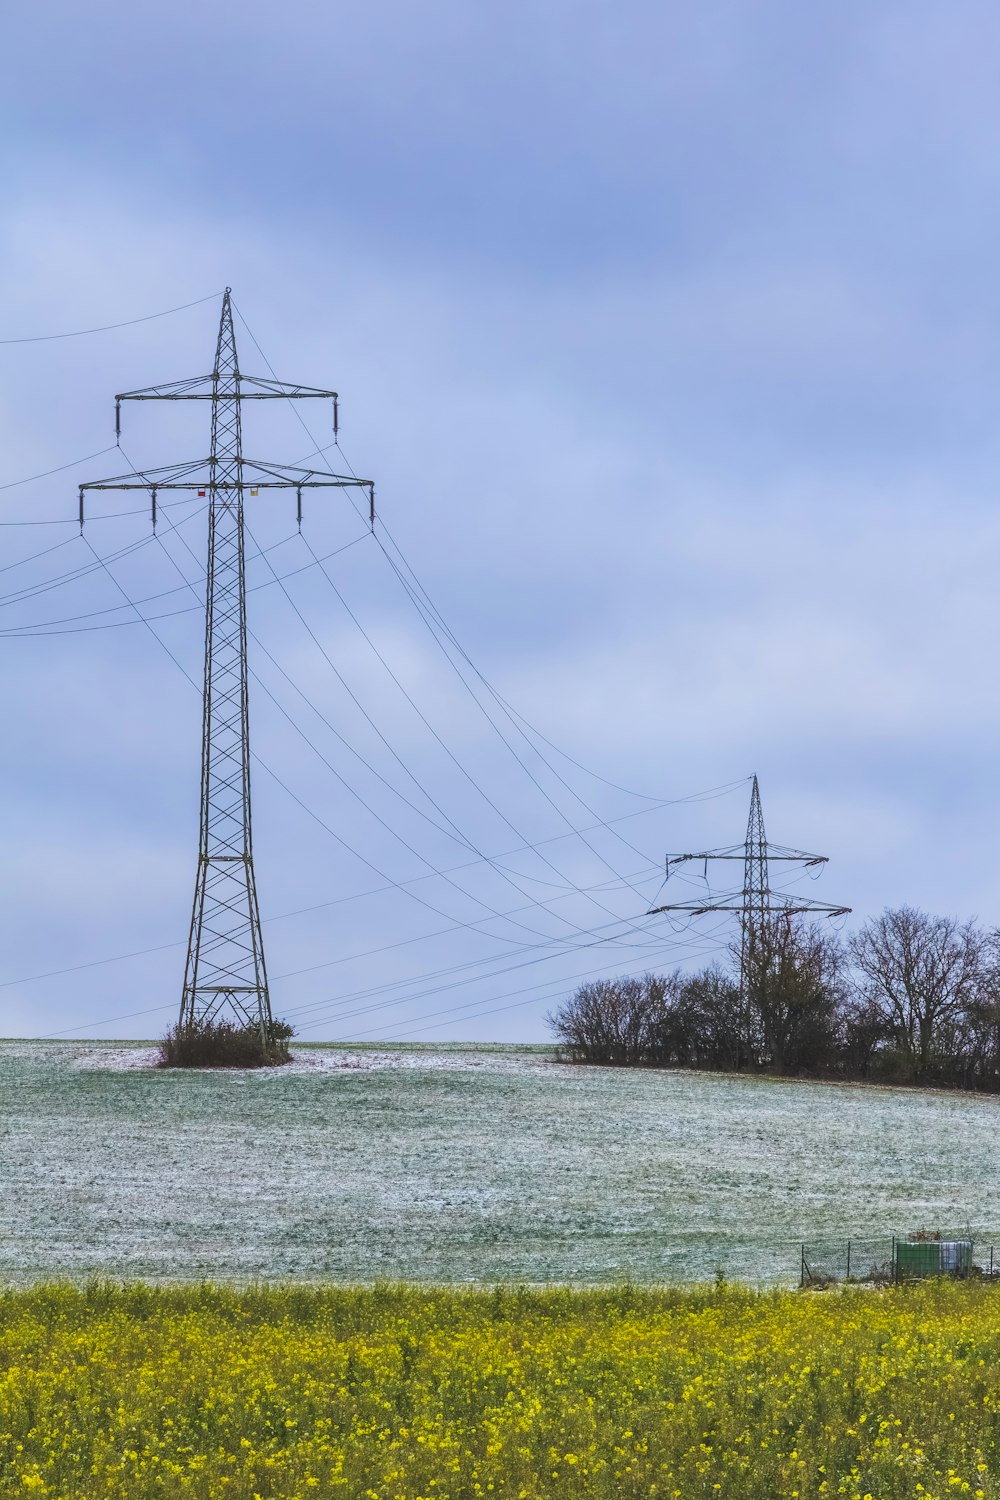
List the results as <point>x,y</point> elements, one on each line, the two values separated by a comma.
<point>130,1057</point>
<point>462,1164</point>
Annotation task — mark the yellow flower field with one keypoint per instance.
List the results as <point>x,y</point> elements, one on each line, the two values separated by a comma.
<point>397,1391</point>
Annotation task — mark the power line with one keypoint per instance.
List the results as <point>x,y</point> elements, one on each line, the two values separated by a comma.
<point>409,699</point>
<point>418,592</point>
<point>281,916</point>
<point>227,418</point>
<point>14,484</point>
<point>606,935</point>
<point>464,654</point>
<point>56,627</point>
<point>159,1009</point>
<point>22,562</point>
<point>332,1008</point>
<point>337,1017</point>
<point>92,614</point>
<point>424,937</point>
<point>463,838</point>
<point>21,596</point>
<point>379,525</point>
<point>457,833</point>
<point>477,1006</point>
<point>79,333</point>
<point>336,1014</point>
<point>458,646</point>
<point>153,1010</point>
<point>474,925</point>
<point>353,792</point>
<point>51,627</point>
<point>32,591</point>
<point>480,789</point>
<point>332,1016</point>
<point>143,542</point>
<point>444,746</point>
<point>396,884</point>
<point>112,515</point>
<point>430,624</point>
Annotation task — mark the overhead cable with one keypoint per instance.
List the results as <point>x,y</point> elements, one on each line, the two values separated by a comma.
<point>13,484</point>
<point>281,917</point>
<point>475,697</point>
<point>79,333</point>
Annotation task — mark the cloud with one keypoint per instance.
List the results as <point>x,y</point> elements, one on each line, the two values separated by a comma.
<point>667,340</point>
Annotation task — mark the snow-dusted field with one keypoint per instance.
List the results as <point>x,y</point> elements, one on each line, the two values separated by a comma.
<point>461,1163</point>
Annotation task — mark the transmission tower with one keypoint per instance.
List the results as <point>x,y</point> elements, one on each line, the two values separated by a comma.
<point>757,904</point>
<point>225,977</point>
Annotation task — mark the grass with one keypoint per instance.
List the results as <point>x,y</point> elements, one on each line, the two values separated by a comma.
<point>405,1393</point>
<point>463,1165</point>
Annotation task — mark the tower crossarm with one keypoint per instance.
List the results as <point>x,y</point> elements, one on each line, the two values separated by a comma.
<point>167,476</point>
<point>777,904</point>
<point>774,852</point>
<point>272,476</point>
<point>238,387</point>
<point>255,475</point>
<point>250,387</point>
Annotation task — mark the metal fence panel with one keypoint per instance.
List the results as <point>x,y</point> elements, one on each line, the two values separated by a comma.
<point>891,1258</point>
<point>868,1259</point>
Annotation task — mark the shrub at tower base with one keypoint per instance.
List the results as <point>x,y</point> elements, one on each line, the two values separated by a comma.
<point>222,1044</point>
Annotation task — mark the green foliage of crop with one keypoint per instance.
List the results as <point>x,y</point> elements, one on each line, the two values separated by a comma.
<point>397,1392</point>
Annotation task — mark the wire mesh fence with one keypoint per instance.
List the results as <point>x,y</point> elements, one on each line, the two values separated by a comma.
<point>889,1258</point>
<point>825,1261</point>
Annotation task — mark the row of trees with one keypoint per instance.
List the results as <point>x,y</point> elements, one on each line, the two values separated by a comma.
<point>908,998</point>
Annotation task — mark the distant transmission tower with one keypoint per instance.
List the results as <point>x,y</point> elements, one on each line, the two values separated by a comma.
<point>757,904</point>
<point>225,977</point>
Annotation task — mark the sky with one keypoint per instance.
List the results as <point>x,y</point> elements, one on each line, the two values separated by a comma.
<point>669,336</point>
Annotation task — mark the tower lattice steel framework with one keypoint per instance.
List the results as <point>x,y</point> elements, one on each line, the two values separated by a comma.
<point>757,904</point>
<point>225,976</point>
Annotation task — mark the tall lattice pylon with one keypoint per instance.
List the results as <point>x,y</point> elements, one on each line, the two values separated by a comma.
<point>225,977</point>
<point>756,891</point>
<point>757,904</point>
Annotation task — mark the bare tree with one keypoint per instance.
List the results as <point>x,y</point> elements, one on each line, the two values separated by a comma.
<point>664,1020</point>
<point>795,992</point>
<point>922,974</point>
<point>920,1000</point>
<point>975,1035</point>
<point>609,1020</point>
<point>698,1023</point>
<point>864,1031</point>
